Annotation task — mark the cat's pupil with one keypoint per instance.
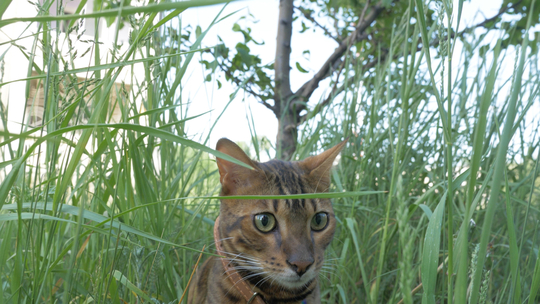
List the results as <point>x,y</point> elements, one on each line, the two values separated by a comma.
<point>264,220</point>
<point>318,219</point>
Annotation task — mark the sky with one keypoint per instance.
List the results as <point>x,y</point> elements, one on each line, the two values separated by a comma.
<point>234,123</point>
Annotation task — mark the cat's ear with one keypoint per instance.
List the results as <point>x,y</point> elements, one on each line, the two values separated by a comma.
<point>318,166</point>
<point>233,176</point>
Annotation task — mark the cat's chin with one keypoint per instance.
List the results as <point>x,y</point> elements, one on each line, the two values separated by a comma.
<point>292,281</point>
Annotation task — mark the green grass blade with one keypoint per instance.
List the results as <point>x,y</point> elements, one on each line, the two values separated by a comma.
<point>99,219</point>
<point>515,287</point>
<point>500,164</point>
<point>351,224</point>
<point>426,49</point>
<point>10,179</point>
<point>3,7</point>
<point>124,281</point>
<point>478,146</point>
<point>535,284</point>
<point>102,67</point>
<point>430,255</point>
<point>116,12</point>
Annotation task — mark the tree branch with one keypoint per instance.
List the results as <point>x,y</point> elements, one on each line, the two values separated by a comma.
<point>500,13</point>
<point>337,90</point>
<point>434,43</point>
<point>309,87</point>
<point>308,16</point>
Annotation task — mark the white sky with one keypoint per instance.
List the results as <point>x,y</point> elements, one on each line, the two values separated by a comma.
<point>234,123</point>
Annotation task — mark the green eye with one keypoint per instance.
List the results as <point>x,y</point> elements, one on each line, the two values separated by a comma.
<point>319,221</point>
<point>265,222</point>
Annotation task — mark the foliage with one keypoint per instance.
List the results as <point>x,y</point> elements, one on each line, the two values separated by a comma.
<point>343,21</point>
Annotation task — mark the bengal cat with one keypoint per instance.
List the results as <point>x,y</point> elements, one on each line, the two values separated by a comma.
<point>274,249</point>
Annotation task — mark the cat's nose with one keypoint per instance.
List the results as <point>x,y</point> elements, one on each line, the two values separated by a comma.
<point>300,266</point>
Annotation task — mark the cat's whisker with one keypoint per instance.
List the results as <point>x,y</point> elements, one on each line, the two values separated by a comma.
<point>323,276</point>
<point>242,279</point>
<point>254,275</point>
<point>327,267</point>
<point>220,240</point>
<point>239,258</point>
<point>237,255</point>
<point>306,284</point>
<point>267,278</point>
<point>234,270</point>
<point>262,280</point>
<point>231,272</point>
<point>330,264</point>
<point>327,264</point>
<point>236,261</point>
<point>326,271</point>
<point>242,258</point>
<point>237,270</point>
<point>247,277</point>
<point>249,268</point>
<point>224,239</point>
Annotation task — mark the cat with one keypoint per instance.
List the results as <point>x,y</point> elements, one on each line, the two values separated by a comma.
<point>274,248</point>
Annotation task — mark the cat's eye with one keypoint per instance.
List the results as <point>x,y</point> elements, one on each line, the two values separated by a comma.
<point>319,221</point>
<point>265,222</point>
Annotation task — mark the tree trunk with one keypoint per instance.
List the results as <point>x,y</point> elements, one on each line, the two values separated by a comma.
<point>287,119</point>
<point>287,134</point>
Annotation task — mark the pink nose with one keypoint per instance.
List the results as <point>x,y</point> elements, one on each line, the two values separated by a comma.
<point>300,266</point>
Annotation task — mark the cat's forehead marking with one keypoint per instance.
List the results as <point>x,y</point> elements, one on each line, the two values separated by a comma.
<point>288,178</point>
<point>285,176</point>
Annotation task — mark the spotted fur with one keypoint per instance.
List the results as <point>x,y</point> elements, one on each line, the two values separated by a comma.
<point>282,265</point>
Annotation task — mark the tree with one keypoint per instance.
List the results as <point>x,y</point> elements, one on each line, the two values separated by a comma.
<point>364,39</point>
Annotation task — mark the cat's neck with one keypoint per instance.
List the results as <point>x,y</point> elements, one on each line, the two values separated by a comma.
<point>238,282</point>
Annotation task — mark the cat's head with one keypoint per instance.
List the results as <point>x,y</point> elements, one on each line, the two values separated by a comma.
<point>277,245</point>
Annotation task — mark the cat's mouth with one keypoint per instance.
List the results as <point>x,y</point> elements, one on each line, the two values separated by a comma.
<point>291,280</point>
<point>287,280</point>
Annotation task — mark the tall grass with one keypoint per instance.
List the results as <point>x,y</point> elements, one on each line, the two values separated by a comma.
<point>441,181</point>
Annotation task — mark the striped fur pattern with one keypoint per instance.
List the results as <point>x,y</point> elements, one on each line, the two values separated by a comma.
<point>281,264</point>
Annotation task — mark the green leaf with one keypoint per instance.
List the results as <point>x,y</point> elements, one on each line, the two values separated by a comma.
<point>300,68</point>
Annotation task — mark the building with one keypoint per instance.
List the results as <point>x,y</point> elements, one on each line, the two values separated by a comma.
<point>73,46</point>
